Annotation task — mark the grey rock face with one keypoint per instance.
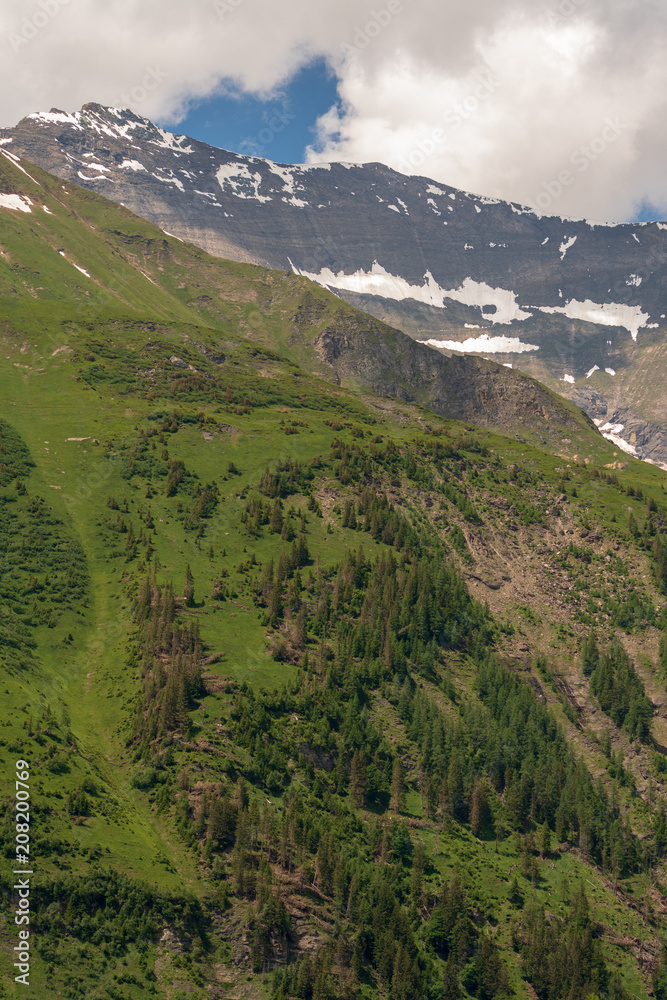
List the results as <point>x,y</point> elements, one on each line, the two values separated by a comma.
<point>572,303</point>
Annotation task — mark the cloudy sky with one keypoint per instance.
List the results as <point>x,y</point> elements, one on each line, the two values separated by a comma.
<point>561,105</point>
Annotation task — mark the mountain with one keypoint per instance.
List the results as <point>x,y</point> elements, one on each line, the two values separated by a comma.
<point>321,694</point>
<point>129,263</point>
<point>578,305</point>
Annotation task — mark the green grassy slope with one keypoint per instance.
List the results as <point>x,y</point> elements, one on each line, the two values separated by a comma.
<point>320,762</point>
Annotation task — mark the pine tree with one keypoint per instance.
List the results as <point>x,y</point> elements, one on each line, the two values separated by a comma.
<point>663,654</point>
<point>478,807</point>
<point>451,989</point>
<point>417,880</point>
<point>660,828</point>
<point>398,787</point>
<point>189,589</point>
<point>299,634</point>
<point>275,608</point>
<point>455,788</point>
<point>490,971</point>
<point>358,779</point>
<point>590,655</point>
<point>276,521</point>
<point>545,841</point>
<point>444,805</point>
<point>287,533</point>
<point>528,863</point>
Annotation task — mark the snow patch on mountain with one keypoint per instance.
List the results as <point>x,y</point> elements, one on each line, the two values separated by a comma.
<point>170,180</point>
<point>632,318</point>
<point>57,118</point>
<point>611,428</point>
<point>499,305</point>
<point>16,202</point>
<point>565,246</point>
<point>286,175</point>
<point>568,378</point>
<point>314,166</point>
<point>237,179</point>
<point>83,271</point>
<point>132,165</point>
<point>168,140</point>
<point>593,369</point>
<point>17,163</point>
<point>483,345</point>
<point>95,177</point>
<point>612,433</point>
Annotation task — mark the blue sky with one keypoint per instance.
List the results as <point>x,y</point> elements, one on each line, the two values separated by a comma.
<point>278,129</point>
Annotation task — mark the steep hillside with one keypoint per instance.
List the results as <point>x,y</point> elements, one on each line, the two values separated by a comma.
<point>576,304</point>
<point>322,695</point>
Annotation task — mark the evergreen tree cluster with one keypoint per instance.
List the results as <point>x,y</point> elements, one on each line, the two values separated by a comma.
<point>169,654</point>
<point>562,957</point>
<point>618,688</point>
<point>367,629</point>
<point>43,570</point>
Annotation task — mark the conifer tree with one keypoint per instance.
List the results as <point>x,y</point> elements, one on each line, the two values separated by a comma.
<point>478,807</point>
<point>189,589</point>
<point>545,841</point>
<point>358,778</point>
<point>276,521</point>
<point>398,787</point>
<point>417,880</point>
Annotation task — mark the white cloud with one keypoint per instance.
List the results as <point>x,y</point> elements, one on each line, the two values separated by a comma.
<point>506,98</point>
